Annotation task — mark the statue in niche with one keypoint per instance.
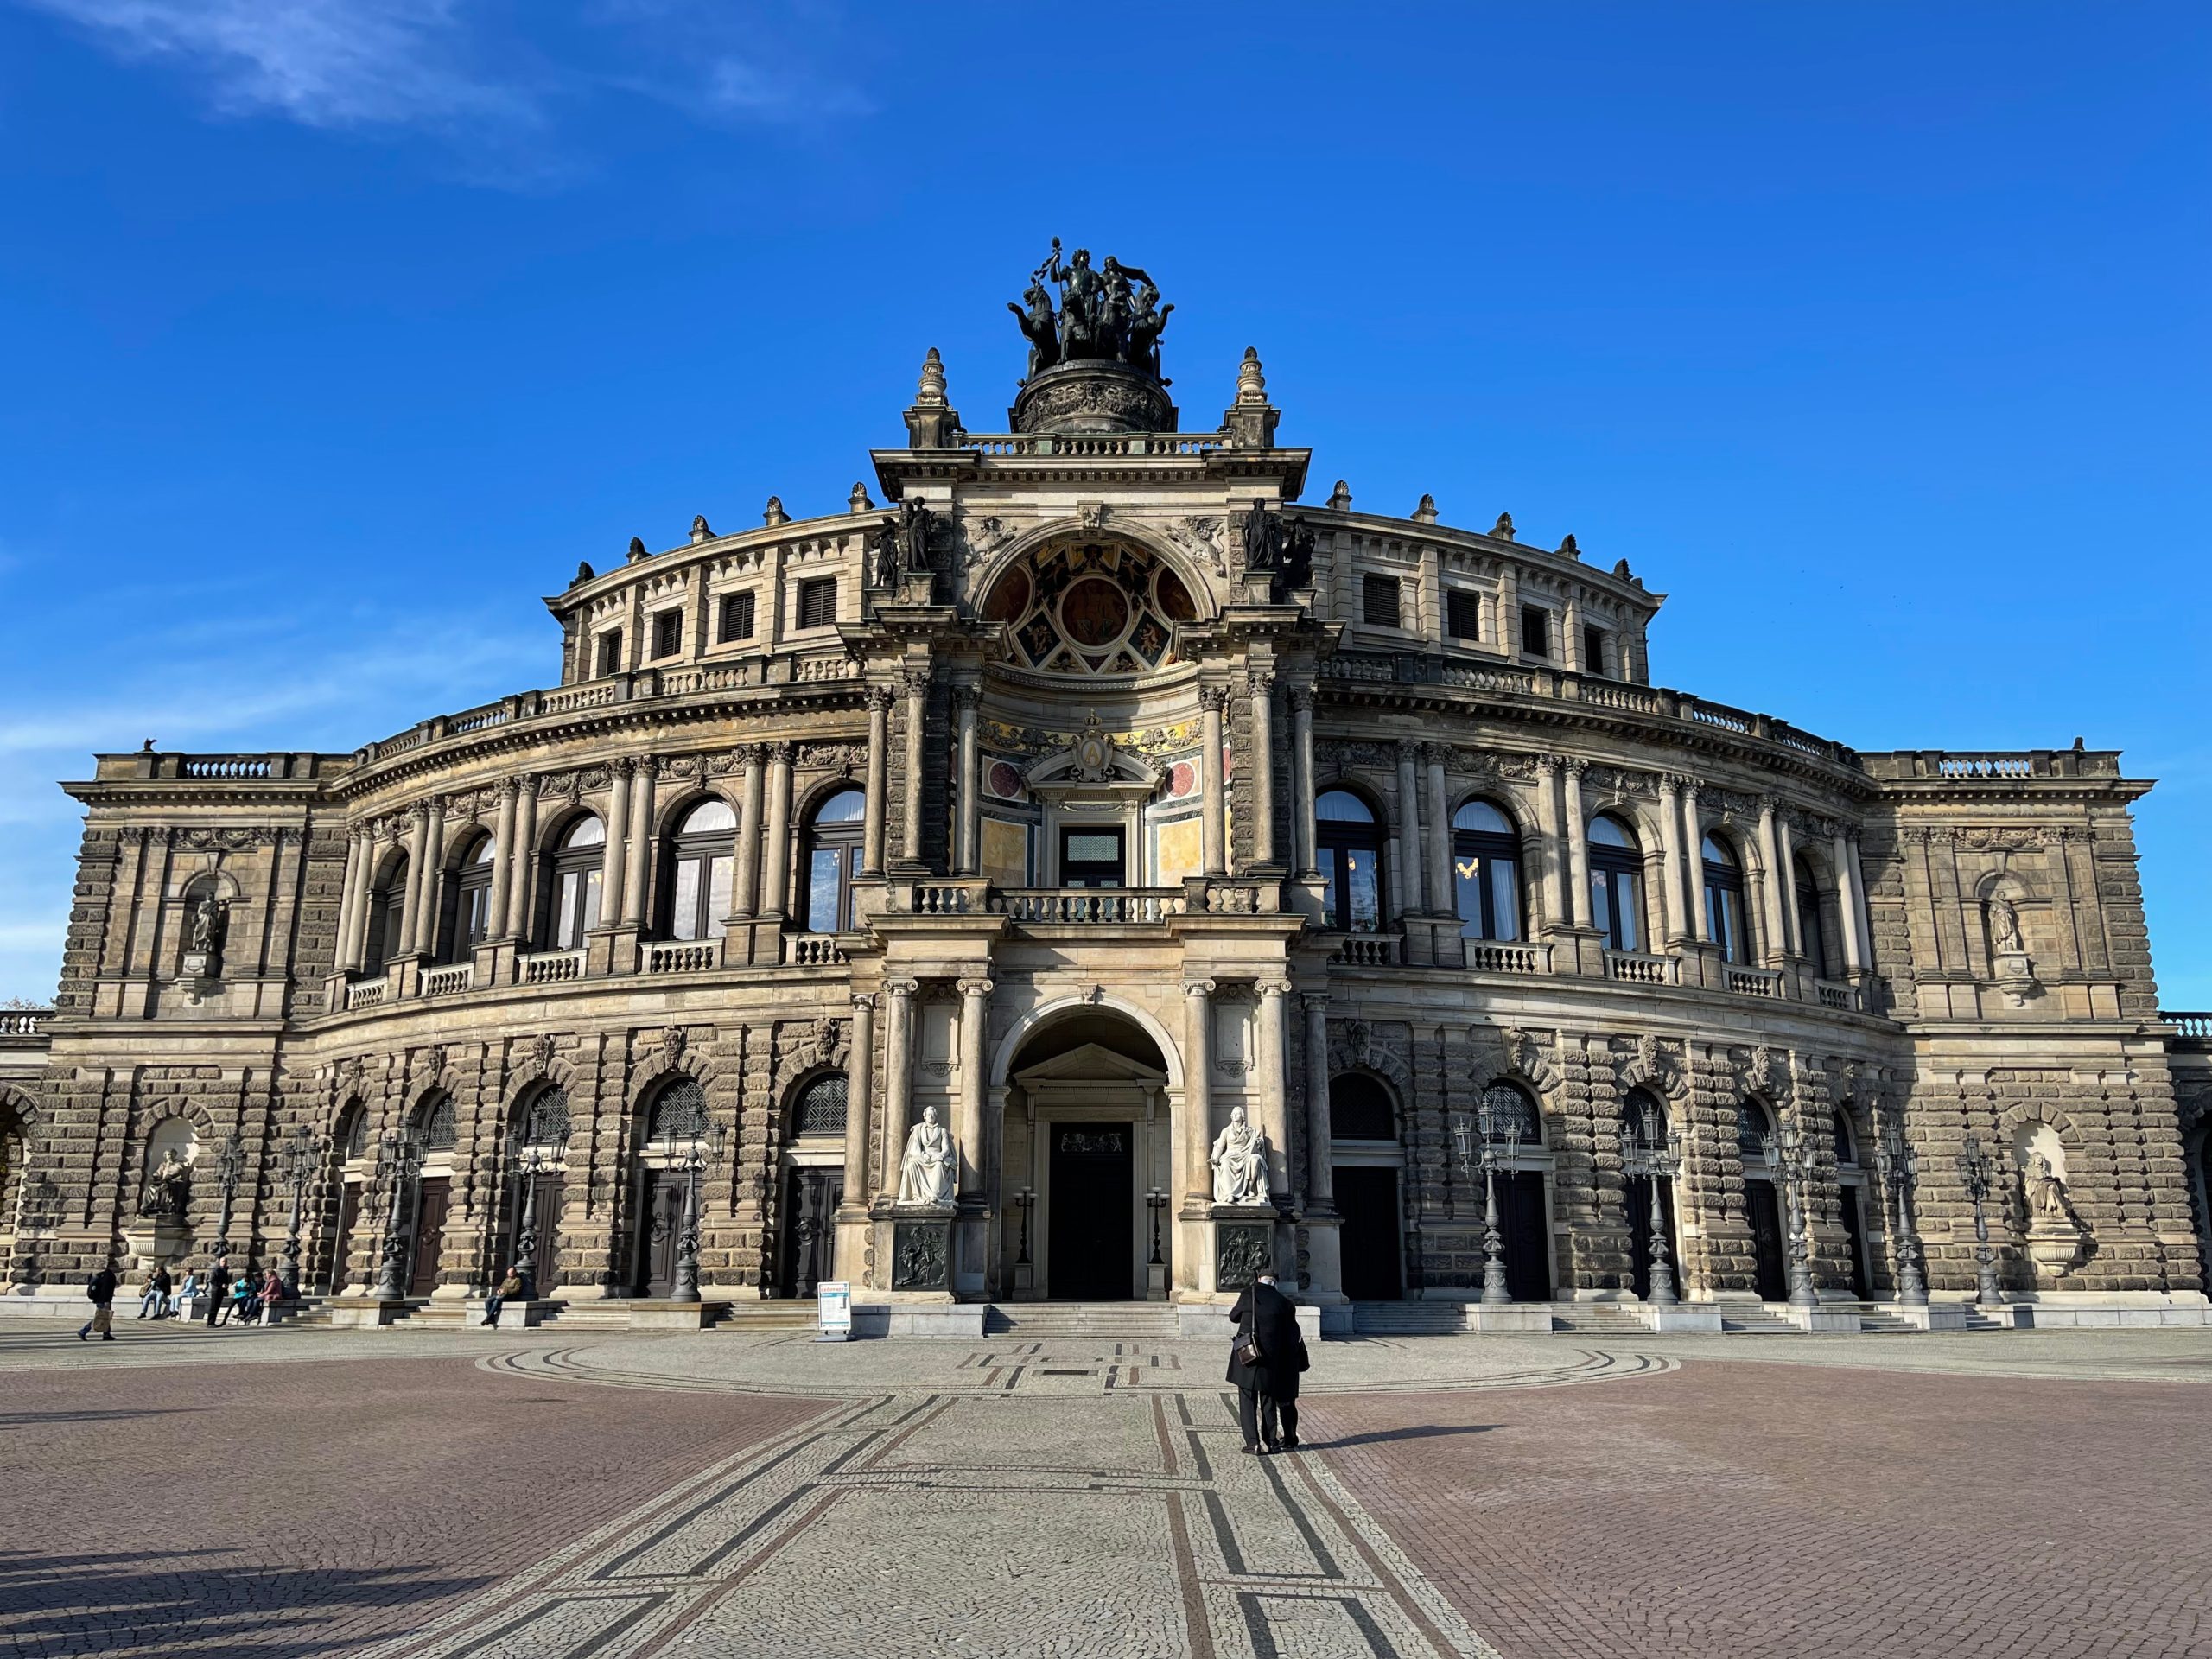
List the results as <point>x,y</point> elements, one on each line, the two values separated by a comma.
<point>2005,926</point>
<point>1297,569</point>
<point>2046,1190</point>
<point>169,1187</point>
<point>913,532</point>
<point>1263,538</point>
<point>926,1169</point>
<point>1240,1162</point>
<point>208,925</point>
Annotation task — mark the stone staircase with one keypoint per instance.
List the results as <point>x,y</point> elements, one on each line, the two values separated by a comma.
<point>1762,1324</point>
<point>1067,1321</point>
<point>1408,1319</point>
<point>1597,1319</point>
<point>773,1315</point>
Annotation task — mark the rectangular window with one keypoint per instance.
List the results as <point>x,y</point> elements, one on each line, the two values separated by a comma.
<point>825,884</point>
<point>1593,651</point>
<point>667,634</point>
<point>610,651</point>
<point>1091,858</point>
<point>817,602</point>
<point>1536,631</point>
<point>1379,601</point>
<point>1463,614</point>
<point>737,617</point>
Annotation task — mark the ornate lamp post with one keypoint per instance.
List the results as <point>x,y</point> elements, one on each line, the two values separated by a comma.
<point>398,1156</point>
<point>1024,1199</point>
<point>708,1143</point>
<point>1155,1200</point>
<point>525,1262</point>
<point>1495,1291</point>
<point>1657,1158</point>
<point>1978,1172</point>
<point>302,1156</point>
<point>1790,1156</point>
<point>1900,1171</point>
<point>230,1164</point>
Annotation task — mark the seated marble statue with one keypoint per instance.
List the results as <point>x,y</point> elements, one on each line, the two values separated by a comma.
<point>1240,1162</point>
<point>925,1170</point>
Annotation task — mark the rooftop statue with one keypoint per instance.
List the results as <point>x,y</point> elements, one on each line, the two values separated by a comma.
<point>1108,313</point>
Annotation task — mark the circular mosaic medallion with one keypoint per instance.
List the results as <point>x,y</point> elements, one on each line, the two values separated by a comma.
<point>1181,780</point>
<point>1094,611</point>
<point>1004,781</point>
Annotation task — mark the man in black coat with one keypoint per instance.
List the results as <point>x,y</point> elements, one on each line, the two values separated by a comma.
<point>101,1290</point>
<point>1267,1390</point>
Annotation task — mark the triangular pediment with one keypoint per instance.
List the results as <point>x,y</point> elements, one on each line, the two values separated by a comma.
<point>1090,1062</point>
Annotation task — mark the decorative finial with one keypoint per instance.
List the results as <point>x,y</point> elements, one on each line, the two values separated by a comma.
<point>699,530</point>
<point>1426,512</point>
<point>637,548</point>
<point>1568,548</point>
<point>775,514</point>
<point>1340,498</point>
<point>1251,382</point>
<point>858,500</point>
<point>1502,530</point>
<point>583,571</point>
<point>931,392</point>
<point>1621,569</point>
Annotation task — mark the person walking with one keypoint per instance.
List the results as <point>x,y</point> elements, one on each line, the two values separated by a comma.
<point>219,1285</point>
<point>1264,1366</point>
<point>101,1289</point>
<point>156,1301</point>
<point>510,1287</point>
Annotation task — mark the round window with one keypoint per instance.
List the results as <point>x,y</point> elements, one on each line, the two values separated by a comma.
<point>1094,611</point>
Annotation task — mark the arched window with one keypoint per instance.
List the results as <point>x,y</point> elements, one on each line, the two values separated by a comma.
<point>819,1112</point>
<point>353,1130</point>
<point>1504,1103</point>
<point>833,858</point>
<point>1810,938</point>
<point>1350,845</point>
<point>1723,900</point>
<point>1486,873</point>
<point>679,1116</point>
<point>468,919</point>
<point>703,852</point>
<point>1752,1126</point>
<point>546,1122</point>
<point>571,884</point>
<point>387,914</point>
<point>1360,1109</point>
<point>1616,884</point>
<point>1846,1145</point>
<point>434,1127</point>
<point>1643,1118</point>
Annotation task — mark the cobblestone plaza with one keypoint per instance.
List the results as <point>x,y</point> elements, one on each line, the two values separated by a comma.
<point>397,1494</point>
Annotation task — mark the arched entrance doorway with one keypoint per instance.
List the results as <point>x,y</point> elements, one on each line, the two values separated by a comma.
<point>1088,1166</point>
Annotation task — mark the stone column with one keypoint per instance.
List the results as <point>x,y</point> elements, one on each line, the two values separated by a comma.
<point>1670,849</point>
<point>745,891</point>
<point>1198,1088</point>
<point>910,832</point>
<point>1263,688</point>
<point>1578,843</point>
<point>1846,908</point>
<point>1412,874</point>
<point>967,1124</point>
<point>898,1035</point>
<point>1301,755</point>
<point>524,859</point>
<point>1274,1110</point>
<point>1862,924</point>
<point>858,1061</point>
<point>1440,830</point>
<point>965,701</point>
<point>879,743</point>
<point>349,902</point>
<point>434,853</point>
<point>610,860</point>
<point>1693,854</point>
<point>1210,699</point>
<point>1320,1173</point>
<point>1776,942</point>
<point>410,926</point>
<point>1556,913</point>
<point>776,844</point>
<point>1792,928</point>
<point>503,852</point>
<point>638,863</point>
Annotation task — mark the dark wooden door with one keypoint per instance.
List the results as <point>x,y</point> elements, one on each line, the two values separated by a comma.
<point>1770,1262</point>
<point>809,1251</point>
<point>545,1222</point>
<point>1524,1237</point>
<point>1091,1249</point>
<point>432,1194</point>
<point>1639,1234</point>
<point>1368,1199</point>
<point>1855,1236</point>
<point>660,1230</point>
<point>341,1243</point>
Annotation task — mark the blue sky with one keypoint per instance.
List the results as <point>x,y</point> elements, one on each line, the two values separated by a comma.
<point>338,331</point>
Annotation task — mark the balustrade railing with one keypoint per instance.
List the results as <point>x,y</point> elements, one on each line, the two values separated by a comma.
<point>1365,951</point>
<point>226,765</point>
<point>2197,1028</point>
<point>1636,968</point>
<point>444,982</point>
<point>934,899</point>
<point>1487,956</point>
<point>549,967</point>
<point>366,994</point>
<point>682,956</point>
<point>816,951</point>
<point>1086,906</point>
<point>1755,981</point>
<point>1834,994</point>
<point>24,1022</point>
